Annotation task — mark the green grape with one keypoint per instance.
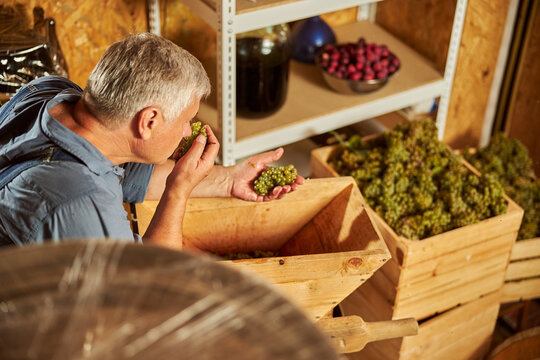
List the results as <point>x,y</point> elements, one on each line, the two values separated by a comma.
<point>507,160</point>
<point>415,183</point>
<point>274,176</point>
<point>196,129</point>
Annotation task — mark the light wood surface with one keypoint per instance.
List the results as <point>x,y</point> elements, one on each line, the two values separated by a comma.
<point>435,274</point>
<point>523,269</point>
<point>327,243</point>
<point>351,333</point>
<point>521,290</point>
<point>525,249</point>
<point>243,6</point>
<point>309,97</point>
<point>463,332</point>
<point>523,273</point>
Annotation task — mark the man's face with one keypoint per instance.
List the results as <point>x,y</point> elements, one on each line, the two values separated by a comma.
<point>170,134</point>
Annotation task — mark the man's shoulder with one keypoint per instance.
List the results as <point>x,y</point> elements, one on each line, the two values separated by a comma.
<point>59,82</point>
<point>63,181</point>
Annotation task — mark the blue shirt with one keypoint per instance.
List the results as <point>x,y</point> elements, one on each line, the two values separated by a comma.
<point>61,200</point>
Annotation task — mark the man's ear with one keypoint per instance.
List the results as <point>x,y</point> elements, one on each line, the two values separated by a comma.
<point>147,120</point>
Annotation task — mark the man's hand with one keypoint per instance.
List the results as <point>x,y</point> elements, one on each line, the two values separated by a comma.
<point>196,164</point>
<point>165,229</point>
<point>244,173</point>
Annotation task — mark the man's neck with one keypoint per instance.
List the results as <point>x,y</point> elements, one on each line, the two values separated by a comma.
<point>112,143</point>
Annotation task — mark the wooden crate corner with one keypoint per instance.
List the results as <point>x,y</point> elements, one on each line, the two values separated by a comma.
<point>323,233</point>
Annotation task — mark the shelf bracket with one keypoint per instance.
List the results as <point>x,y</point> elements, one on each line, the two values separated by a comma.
<point>450,69</point>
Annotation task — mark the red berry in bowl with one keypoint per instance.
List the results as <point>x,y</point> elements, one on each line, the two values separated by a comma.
<point>368,77</point>
<point>382,74</point>
<point>356,76</point>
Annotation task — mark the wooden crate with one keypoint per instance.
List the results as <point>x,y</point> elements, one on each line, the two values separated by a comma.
<point>327,243</point>
<point>429,276</point>
<point>463,332</point>
<point>522,281</point>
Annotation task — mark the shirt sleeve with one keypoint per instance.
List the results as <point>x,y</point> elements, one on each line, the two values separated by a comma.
<point>135,181</point>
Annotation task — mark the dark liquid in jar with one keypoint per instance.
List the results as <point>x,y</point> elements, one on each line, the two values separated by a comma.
<point>261,79</point>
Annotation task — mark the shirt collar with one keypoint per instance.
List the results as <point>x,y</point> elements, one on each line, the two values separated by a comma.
<point>72,142</point>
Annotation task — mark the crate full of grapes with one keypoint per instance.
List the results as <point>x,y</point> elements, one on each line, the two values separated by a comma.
<point>450,231</point>
<point>317,244</point>
<point>509,160</point>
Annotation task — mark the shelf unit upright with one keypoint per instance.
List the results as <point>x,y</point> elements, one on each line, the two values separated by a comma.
<point>311,108</point>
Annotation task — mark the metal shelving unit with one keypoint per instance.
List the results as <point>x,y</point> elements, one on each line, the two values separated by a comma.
<point>311,107</point>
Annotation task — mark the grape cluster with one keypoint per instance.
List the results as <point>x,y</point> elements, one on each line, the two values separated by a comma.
<point>274,176</point>
<point>257,254</point>
<point>508,160</point>
<point>415,183</point>
<point>196,129</point>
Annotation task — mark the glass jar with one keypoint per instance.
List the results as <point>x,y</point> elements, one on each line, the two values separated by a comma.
<point>262,70</point>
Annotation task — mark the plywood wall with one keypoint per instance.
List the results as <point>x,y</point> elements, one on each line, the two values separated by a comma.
<point>85,28</point>
<point>426,26</point>
<point>523,120</point>
<point>423,25</point>
<point>480,45</point>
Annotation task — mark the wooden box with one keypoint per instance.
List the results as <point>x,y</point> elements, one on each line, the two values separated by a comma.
<point>463,332</point>
<point>325,237</point>
<point>522,281</point>
<point>429,276</point>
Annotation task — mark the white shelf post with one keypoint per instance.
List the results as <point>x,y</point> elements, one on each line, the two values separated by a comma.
<point>226,78</point>
<point>451,62</point>
<point>154,23</point>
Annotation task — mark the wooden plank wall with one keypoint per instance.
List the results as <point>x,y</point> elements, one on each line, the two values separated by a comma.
<point>523,119</point>
<point>426,26</point>
<point>85,28</point>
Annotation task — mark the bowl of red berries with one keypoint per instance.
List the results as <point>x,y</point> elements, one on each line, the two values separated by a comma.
<point>360,67</point>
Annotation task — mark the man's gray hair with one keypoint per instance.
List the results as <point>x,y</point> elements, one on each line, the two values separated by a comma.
<point>143,70</point>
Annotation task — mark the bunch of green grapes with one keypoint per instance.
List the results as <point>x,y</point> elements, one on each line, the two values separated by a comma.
<point>415,183</point>
<point>257,254</point>
<point>508,160</point>
<point>274,176</point>
<point>196,129</point>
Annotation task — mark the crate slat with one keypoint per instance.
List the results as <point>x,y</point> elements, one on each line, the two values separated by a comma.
<point>523,273</point>
<point>452,262</point>
<point>521,290</point>
<point>523,269</point>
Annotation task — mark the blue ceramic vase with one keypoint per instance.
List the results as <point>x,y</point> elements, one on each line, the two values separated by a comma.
<point>308,36</point>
